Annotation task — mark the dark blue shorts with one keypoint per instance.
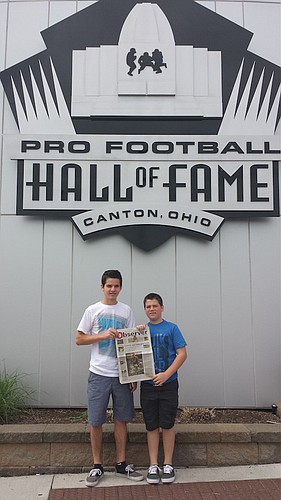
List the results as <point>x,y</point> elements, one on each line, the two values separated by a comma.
<point>159,404</point>
<point>100,389</point>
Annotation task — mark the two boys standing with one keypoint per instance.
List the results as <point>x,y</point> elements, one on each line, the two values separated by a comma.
<point>159,396</point>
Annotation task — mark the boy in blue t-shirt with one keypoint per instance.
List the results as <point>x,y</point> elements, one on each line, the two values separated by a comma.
<point>159,396</point>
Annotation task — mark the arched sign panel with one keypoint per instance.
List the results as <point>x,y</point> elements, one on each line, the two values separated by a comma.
<point>146,118</point>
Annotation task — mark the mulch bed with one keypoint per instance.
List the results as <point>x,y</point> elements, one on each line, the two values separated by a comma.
<point>184,416</point>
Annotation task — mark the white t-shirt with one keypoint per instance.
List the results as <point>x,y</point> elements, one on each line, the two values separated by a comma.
<point>96,319</point>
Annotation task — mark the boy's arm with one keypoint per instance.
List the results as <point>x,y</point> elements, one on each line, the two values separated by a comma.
<point>85,339</point>
<point>160,378</point>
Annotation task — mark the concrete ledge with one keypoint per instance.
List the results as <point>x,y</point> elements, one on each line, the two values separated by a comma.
<point>58,448</point>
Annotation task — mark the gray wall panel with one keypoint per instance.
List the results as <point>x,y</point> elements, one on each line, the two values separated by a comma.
<point>27,42</point>
<point>199,314</point>
<point>8,182</point>
<point>3,32</point>
<point>154,272</point>
<point>265,263</point>
<point>21,295</point>
<point>231,10</point>
<point>264,21</point>
<point>236,315</point>
<point>224,294</point>
<point>55,333</point>
<point>61,10</point>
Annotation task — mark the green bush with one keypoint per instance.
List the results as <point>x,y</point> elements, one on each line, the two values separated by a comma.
<point>13,394</point>
<point>82,417</point>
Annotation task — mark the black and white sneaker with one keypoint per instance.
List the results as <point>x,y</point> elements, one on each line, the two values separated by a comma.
<point>168,475</point>
<point>94,476</point>
<point>153,474</point>
<point>128,471</point>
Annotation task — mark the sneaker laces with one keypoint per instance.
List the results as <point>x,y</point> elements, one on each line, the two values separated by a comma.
<point>153,469</point>
<point>129,469</point>
<point>167,469</point>
<point>95,472</point>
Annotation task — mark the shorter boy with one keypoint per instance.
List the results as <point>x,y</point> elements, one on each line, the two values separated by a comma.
<point>159,396</point>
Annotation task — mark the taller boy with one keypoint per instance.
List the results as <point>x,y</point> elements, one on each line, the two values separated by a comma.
<point>159,396</point>
<point>98,328</point>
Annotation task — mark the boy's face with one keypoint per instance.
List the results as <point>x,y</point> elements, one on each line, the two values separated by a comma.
<point>111,290</point>
<point>153,310</point>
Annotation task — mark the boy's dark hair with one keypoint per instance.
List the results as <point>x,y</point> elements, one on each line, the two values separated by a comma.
<point>153,296</point>
<point>111,273</point>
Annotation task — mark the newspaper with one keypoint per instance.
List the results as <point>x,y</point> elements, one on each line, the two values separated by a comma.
<point>134,355</point>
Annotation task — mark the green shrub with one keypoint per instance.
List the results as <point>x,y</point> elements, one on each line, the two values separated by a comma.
<point>82,417</point>
<point>13,394</point>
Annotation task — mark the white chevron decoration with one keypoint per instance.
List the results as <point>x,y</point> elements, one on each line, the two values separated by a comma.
<point>243,121</point>
<point>42,119</point>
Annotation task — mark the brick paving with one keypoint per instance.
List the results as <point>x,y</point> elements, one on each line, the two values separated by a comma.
<point>262,489</point>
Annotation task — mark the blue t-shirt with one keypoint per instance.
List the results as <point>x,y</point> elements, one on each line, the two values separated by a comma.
<point>166,339</point>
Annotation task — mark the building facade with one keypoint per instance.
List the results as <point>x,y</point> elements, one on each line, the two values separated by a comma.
<point>144,137</point>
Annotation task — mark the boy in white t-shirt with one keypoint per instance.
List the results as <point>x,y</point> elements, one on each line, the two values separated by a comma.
<point>98,328</point>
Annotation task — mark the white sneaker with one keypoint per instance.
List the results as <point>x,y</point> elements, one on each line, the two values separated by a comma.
<point>129,472</point>
<point>153,474</point>
<point>168,475</point>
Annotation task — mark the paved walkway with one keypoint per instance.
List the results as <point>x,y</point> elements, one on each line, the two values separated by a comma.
<point>263,489</point>
<point>258,482</point>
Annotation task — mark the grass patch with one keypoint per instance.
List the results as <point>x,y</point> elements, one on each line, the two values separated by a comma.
<point>82,417</point>
<point>13,394</point>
